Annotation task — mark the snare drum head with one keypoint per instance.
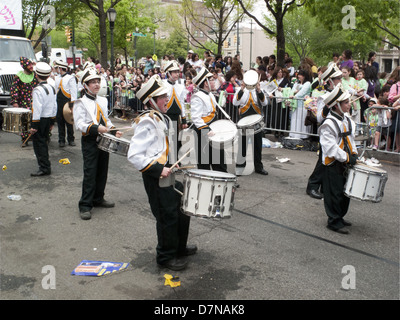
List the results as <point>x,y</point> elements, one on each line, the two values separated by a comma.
<point>112,137</point>
<point>210,174</point>
<point>17,110</point>
<point>367,168</point>
<point>249,120</point>
<point>224,130</point>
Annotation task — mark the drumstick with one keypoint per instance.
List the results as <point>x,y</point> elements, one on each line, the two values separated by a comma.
<point>184,156</point>
<point>119,129</point>
<point>356,99</point>
<point>187,167</point>
<point>26,140</point>
<point>176,163</point>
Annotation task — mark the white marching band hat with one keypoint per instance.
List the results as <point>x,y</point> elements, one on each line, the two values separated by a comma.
<point>88,64</point>
<point>153,88</point>
<point>202,75</point>
<point>332,72</point>
<point>61,64</point>
<point>338,94</point>
<point>43,69</point>
<point>172,66</point>
<point>89,74</point>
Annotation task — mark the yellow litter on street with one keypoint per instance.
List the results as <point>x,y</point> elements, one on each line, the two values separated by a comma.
<point>171,281</point>
<point>64,161</point>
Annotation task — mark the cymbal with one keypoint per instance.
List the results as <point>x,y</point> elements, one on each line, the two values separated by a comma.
<point>67,112</point>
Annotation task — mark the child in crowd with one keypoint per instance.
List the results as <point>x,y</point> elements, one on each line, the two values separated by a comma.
<point>372,118</point>
<point>384,122</point>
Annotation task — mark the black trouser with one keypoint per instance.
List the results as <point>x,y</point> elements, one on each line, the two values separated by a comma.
<point>176,125</point>
<point>335,201</point>
<point>95,171</point>
<point>208,157</point>
<point>315,180</point>
<point>172,224</point>
<point>40,145</point>
<point>257,145</point>
<point>61,123</point>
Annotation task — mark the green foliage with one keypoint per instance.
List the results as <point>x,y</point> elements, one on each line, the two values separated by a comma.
<point>379,20</point>
<point>307,36</point>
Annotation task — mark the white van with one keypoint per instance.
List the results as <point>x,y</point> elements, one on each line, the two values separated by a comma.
<point>11,49</point>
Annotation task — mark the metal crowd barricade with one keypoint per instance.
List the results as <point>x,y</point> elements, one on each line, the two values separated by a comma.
<point>384,136</point>
<point>279,120</point>
<point>119,98</point>
<point>277,116</point>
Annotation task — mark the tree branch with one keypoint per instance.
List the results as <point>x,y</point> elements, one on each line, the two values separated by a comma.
<point>255,19</point>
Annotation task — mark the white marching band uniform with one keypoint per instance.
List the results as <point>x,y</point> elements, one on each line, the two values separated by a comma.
<point>203,109</point>
<point>332,143</point>
<point>177,93</point>
<point>88,112</point>
<point>44,104</point>
<point>67,84</point>
<point>150,144</point>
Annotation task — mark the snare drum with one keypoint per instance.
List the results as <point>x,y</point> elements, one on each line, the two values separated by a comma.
<point>225,132</point>
<point>109,143</point>
<point>254,122</point>
<point>208,193</point>
<point>16,120</point>
<point>365,183</point>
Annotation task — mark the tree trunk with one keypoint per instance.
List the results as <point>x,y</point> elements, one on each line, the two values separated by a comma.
<point>103,35</point>
<point>280,42</point>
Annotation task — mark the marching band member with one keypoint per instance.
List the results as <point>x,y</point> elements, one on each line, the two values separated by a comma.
<point>91,118</point>
<point>251,102</point>
<point>66,87</point>
<point>332,77</point>
<point>150,152</point>
<point>21,89</point>
<point>44,110</point>
<point>338,150</point>
<point>176,104</point>
<point>203,107</point>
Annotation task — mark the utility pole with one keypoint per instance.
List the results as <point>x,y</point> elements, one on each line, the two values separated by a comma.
<point>237,35</point>
<point>73,44</point>
<point>251,41</point>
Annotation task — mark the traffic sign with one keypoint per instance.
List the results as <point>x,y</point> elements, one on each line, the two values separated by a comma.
<point>138,34</point>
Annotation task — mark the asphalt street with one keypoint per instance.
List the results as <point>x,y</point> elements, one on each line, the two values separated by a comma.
<point>274,247</point>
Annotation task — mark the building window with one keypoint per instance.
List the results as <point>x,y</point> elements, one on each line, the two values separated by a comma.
<point>387,65</point>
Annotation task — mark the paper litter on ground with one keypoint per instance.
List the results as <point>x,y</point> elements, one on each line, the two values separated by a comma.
<point>98,268</point>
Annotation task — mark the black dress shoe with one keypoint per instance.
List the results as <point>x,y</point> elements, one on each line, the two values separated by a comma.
<point>72,143</point>
<point>104,204</point>
<point>337,230</point>
<point>62,144</point>
<point>85,215</point>
<point>190,250</point>
<point>262,171</point>
<point>315,194</point>
<point>346,223</point>
<point>40,173</point>
<point>175,264</point>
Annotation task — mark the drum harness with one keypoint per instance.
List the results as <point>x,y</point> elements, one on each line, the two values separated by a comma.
<point>342,135</point>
